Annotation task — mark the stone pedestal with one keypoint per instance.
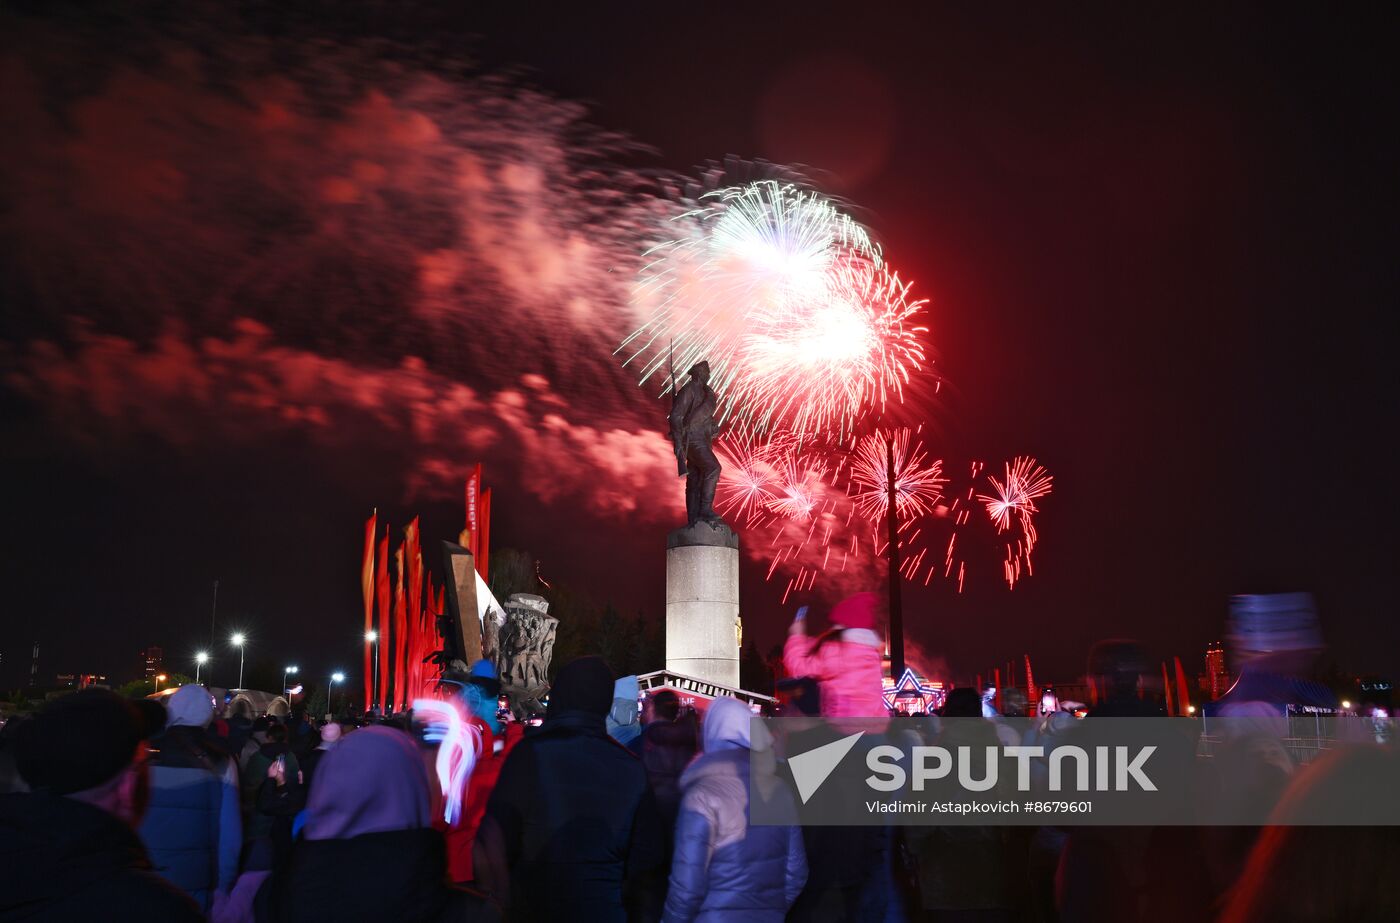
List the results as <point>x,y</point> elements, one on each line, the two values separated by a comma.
<point>702,603</point>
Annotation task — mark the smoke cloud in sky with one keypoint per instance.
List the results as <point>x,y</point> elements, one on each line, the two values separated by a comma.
<point>230,245</point>
<point>238,242</point>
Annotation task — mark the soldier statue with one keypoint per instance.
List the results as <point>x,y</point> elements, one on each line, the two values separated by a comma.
<point>693,427</point>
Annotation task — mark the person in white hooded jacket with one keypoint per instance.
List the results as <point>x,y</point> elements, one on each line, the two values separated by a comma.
<point>723,867</point>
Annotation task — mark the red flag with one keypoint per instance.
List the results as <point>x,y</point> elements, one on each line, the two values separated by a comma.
<point>1167,689</point>
<point>1183,691</point>
<point>413,559</point>
<point>473,500</point>
<point>382,588</point>
<point>483,542</point>
<point>400,631</point>
<point>367,589</point>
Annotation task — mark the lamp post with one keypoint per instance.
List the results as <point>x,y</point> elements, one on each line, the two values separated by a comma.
<point>372,637</point>
<point>285,671</point>
<point>159,678</point>
<point>237,641</point>
<point>200,660</point>
<point>335,678</point>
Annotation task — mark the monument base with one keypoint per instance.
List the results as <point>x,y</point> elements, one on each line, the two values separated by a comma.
<point>702,603</point>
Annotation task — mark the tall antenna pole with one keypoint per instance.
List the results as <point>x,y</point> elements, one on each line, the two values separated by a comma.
<point>896,603</point>
<point>213,612</point>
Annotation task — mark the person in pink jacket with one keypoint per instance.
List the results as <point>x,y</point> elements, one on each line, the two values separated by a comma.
<point>844,660</point>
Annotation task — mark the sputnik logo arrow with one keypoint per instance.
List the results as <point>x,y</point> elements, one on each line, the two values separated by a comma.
<point>810,769</point>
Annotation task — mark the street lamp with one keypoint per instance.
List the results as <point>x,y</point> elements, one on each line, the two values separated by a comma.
<point>200,660</point>
<point>237,641</point>
<point>160,677</point>
<point>285,671</point>
<point>372,637</point>
<point>335,678</point>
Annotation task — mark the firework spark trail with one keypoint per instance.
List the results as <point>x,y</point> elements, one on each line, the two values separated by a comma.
<point>805,504</point>
<point>1012,503</point>
<point>815,366</point>
<point>804,326</point>
<point>918,483</point>
<point>806,330</point>
<point>1025,483</point>
<point>740,246</point>
<point>747,488</point>
<point>798,493</point>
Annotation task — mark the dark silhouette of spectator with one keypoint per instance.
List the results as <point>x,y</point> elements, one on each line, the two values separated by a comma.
<point>192,827</point>
<point>329,735</point>
<point>273,791</point>
<point>1131,873</point>
<point>968,873</point>
<point>153,716</point>
<point>666,746</point>
<point>68,847</point>
<point>844,864</point>
<point>571,828</point>
<point>10,780</point>
<point>724,868</point>
<point>368,851</point>
<point>1302,870</point>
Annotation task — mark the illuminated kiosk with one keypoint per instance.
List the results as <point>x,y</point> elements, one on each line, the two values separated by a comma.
<point>702,604</point>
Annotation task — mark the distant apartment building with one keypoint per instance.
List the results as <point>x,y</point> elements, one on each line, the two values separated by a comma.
<point>1216,680</point>
<point>152,659</point>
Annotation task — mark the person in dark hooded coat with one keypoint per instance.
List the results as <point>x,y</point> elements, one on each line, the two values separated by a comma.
<point>571,830</point>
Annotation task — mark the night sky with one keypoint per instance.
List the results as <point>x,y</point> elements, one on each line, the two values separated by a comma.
<point>263,273</point>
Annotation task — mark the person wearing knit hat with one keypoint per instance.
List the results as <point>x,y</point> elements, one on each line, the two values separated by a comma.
<point>67,847</point>
<point>845,660</point>
<point>193,828</point>
<point>190,706</point>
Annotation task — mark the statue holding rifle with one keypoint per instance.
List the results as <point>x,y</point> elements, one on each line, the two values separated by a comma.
<point>693,427</point>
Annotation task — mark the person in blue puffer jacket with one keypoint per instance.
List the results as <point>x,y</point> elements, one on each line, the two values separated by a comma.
<point>724,868</point>
<point>192,827</point>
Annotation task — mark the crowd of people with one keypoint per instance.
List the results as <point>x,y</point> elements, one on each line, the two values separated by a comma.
<point>114,810</point>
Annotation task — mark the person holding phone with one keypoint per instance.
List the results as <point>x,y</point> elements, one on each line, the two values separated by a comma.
<point>845,660</point>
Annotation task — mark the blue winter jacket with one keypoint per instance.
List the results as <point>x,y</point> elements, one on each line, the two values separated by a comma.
<point>192,828</point>
<point>723,868</point>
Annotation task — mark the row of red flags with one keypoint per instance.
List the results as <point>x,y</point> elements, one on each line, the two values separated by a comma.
<point>407,601</point>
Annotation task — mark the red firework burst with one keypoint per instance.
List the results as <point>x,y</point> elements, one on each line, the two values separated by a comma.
<point>749,479</point>
<point>918,483</point>
<point>1014,504</point>
<point>1025,482</point>
<point>800,490</point>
